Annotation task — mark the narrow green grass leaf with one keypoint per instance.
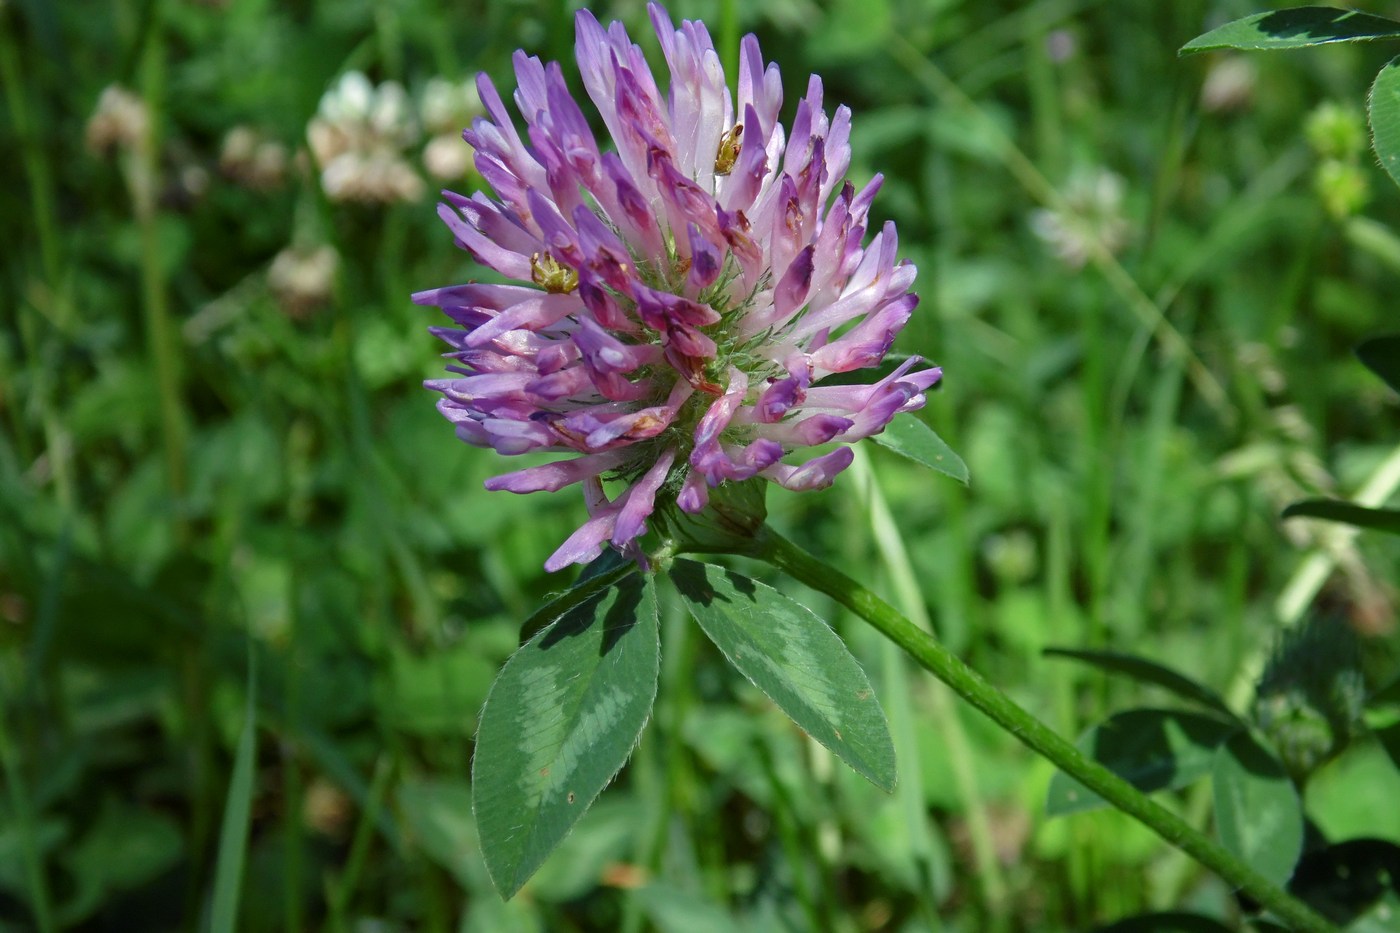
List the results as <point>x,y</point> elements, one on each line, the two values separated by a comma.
<point>1295,29</point>
<point>1152,749</point>
<point>233,835</point>
<point>1382,357</point>
<point>1334,510</point>
<point>1257,811</point>
<point>794,658</point>
<point>1384,111</point>
<point>560,721</point>
<point>910,437</point>
<point>1147,672</point>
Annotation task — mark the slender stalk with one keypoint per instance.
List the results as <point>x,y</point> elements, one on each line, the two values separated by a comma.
<point>930,654</point>
<point>163,340</point>
<point>905,581</point>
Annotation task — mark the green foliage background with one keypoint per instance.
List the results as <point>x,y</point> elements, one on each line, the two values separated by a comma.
<point>284,492</point>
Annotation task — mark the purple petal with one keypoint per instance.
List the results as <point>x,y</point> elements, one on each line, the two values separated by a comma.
<point>551,477</point>
<point>640,500</point>
<point>817,473</point>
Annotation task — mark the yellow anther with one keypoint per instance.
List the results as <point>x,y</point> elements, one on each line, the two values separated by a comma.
<point>551,275</point>
<point>728,150</point>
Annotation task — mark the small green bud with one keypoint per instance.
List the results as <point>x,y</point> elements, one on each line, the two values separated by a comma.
<point>1343,187</point>
<point>1336,131</point>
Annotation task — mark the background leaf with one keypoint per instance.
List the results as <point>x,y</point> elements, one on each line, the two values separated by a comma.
<point>1384,110</point>
<point>1257,812</point>
<point>794,658</point>
<point>1382,354</point>
<point>1147,672</point>
<point>1295,29</point>
<point>559,722</point>
<point>1152,749</point>
<point>1166,922</point>
<point>1335,510</point>
<point>910,437</point>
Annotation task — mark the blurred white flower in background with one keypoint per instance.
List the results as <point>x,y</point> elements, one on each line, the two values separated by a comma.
<point>446,108</point>
<point>254,160</point>
<point>1093,213</point>
<point>119,121</point>
<point>358,138</point>
<point>302,278</point>
<point>1229,84</point>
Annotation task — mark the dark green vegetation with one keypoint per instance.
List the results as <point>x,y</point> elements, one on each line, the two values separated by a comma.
<point>1143,276</point>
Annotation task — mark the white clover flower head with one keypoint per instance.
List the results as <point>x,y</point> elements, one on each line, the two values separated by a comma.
<point>359,137</point>
<point>1092,218</point>
<point>120,121</point>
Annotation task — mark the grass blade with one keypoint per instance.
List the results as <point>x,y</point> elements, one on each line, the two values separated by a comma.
<point>233,836</point>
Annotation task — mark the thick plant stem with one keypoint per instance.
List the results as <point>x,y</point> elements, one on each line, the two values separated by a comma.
<point>930,654</point>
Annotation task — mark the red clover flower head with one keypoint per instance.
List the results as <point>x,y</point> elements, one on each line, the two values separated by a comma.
<point>683,293</point>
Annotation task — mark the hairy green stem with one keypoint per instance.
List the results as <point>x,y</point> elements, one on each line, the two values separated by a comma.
<point>930,654</point>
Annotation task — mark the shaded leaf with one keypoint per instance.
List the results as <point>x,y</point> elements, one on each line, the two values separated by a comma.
<point>1152,749</point>
<point>1295,29</point>
<point>559,722</point>
<point>1382,354</point>
<point>1349,880</point>
<point>794,658</point>
<point>1147,672</point>
<point>1165,922</point>
<point>908,436</point>
<point>1257,811</point>
<point>1335,510</point>
<point>1383,108</point>
<point>600,573</point>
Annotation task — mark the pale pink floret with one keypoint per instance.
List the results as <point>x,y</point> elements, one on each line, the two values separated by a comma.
<point>688,287</point>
